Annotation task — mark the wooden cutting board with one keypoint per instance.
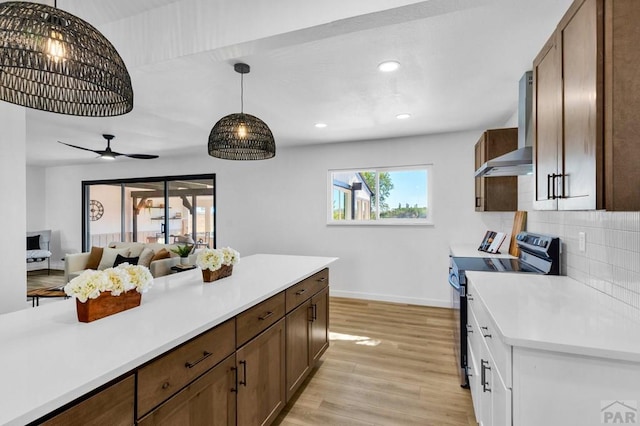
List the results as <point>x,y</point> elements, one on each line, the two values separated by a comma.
<point>519,223</point>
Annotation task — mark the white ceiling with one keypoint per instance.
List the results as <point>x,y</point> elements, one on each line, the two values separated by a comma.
<point>310,62</point>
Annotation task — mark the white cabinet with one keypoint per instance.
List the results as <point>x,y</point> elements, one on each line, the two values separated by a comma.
<point>490,362</point>
<point>573,389</point>
<point>540,379</point>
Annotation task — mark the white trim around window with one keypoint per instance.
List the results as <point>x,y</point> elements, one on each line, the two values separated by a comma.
<point>405,196</point>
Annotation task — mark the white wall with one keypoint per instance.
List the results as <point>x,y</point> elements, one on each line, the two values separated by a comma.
<point>36,199</point>
<point>279,206</point>
<point>13,286</point>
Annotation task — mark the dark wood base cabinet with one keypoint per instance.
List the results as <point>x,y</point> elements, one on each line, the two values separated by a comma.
<point>111,406</point>
<point>208,401</point>
<point>319,341</point>
<point>242,371</point>
<point>261,377</point>
<point>298,339</point>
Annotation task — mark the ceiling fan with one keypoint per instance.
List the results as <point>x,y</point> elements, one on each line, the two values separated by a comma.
<point>108,154</point>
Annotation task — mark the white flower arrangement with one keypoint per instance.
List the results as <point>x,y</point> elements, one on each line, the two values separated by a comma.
<point>213,259</point>
<point>231,256</point>
<point>117,280</point>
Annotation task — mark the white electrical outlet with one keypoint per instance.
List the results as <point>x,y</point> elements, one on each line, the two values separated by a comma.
<point>582,242</point>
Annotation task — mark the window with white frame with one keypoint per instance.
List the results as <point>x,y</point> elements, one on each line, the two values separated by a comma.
<point>382,195</point>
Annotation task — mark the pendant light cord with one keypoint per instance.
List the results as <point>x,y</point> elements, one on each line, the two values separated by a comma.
<point>241,93</point>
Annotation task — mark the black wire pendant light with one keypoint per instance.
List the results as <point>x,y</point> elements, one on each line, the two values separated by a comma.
<point>241,136</point>
<point>54,61</point>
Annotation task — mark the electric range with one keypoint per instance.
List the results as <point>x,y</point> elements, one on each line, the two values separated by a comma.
<point>539,254</point>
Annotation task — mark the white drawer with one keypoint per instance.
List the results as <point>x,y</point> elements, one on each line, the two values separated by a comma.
<point>473,366</point>
<point>500,352</point>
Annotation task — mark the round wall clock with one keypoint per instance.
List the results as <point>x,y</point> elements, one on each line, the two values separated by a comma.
<point>96,210</point>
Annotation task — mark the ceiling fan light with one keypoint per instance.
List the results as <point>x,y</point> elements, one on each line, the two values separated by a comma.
<point>389,66</point>
<point>107,157</point>
<point>54,61</point>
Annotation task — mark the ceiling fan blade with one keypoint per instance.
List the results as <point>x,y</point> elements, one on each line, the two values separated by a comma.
<point>141,156</point>
<point>81,147</point>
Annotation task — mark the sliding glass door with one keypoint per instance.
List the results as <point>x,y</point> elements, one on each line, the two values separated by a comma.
<point>167,209</point>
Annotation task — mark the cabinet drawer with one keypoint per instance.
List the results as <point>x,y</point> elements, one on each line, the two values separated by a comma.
<point>168,374</point>
<point>257,319</point>
<point>306,288</point>
<point>112,406</point>
<point>486,330</point>
<point>211,399</point>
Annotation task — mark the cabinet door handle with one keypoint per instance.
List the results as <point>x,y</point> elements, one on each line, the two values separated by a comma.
<point>485,383</point>
<point>483,333</point>
<point>299,292</point>
<point>469,328</point>
<point>235,373</point>
<point>265,316</point>
<point>205,355</point>
<point>561,182</point>
<point>550,189</point>
<point>477,201</point>
<point>244,373</point>
<point>310,313</point>
<point>314,312</point>
<point>469,296</point>
<point>321,280</point>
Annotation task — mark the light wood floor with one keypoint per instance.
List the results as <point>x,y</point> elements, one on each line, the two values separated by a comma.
<point>40,279</point>
<point>388,364</point>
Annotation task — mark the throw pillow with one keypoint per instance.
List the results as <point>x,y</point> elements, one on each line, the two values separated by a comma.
<point>33,243</point>
<point>109,257</point>
<point>94,258</point>
<point>135,249</point>
<point>121,259</point>
<point>161,254</point>
<point>145,257</point>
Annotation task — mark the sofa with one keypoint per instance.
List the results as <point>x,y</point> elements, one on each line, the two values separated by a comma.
<point>38,247</point>
<point>105,257</point>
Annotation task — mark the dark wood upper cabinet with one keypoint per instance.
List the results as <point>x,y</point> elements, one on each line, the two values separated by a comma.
<point>586,96</point>
<point>496,193</point>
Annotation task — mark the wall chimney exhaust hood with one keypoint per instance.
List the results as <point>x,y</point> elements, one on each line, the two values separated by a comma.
<point>520,161</point>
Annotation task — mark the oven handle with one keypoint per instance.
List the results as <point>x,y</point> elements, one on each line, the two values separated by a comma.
<point>453,282</point>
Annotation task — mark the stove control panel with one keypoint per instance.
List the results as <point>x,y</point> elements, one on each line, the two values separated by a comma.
<point>546,245</point>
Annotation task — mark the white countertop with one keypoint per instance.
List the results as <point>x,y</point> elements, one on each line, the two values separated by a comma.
<point>471,250</point>
<point>48,358</point>
<point>557,313</point>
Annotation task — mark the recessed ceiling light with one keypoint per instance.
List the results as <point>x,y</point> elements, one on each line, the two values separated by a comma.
<point>389,66</point>
<point>321,125</point>
<point>403,116</point>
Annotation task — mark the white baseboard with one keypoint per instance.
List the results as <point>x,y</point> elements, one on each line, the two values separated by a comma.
<point>390,298</point>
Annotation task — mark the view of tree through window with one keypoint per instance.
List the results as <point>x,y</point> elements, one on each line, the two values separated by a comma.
<point>397,194</point>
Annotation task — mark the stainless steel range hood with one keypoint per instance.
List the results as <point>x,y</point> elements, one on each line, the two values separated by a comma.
<point>520,161</point>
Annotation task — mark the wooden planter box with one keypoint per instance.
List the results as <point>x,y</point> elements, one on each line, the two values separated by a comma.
<point>209,275</point>
<point>106,304</point>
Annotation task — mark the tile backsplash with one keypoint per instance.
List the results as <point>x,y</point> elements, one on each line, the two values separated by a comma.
<point>610,262</point>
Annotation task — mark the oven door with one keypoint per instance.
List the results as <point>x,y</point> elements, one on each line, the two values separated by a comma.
<point>459,308</point>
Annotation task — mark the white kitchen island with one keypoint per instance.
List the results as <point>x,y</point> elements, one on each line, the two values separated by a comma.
<point>49,359</point>
<point>550,350</point>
